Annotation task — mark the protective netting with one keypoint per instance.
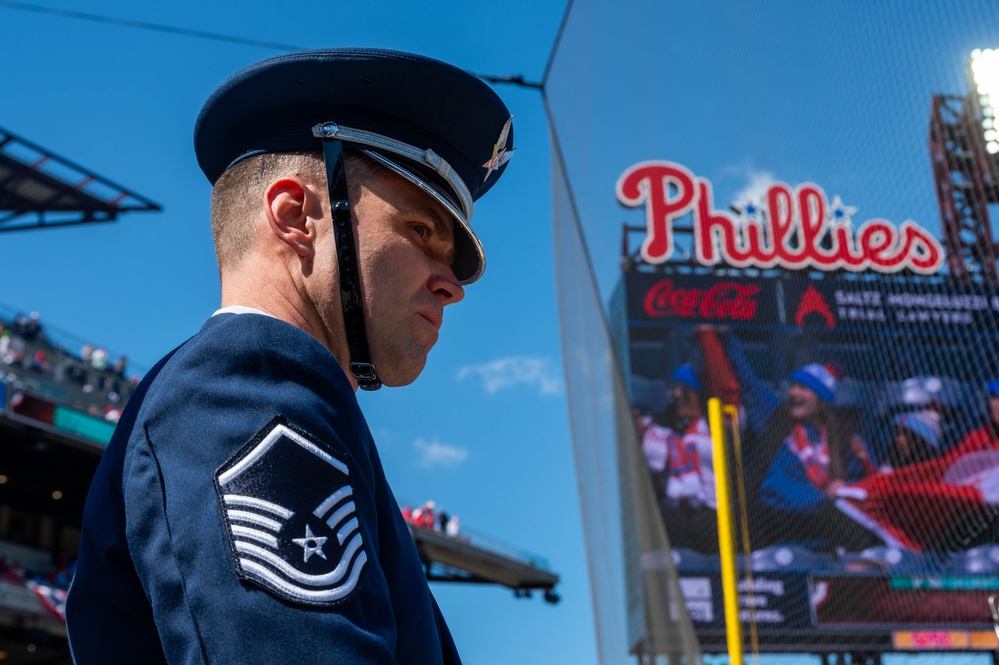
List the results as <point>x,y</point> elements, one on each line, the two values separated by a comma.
<point>633,579</point>
<point>800,227</point>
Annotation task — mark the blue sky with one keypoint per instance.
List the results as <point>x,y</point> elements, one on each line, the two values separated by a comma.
<point>836,93</point>
<point>484,431</point>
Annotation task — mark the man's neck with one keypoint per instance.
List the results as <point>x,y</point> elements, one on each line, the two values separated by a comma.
<point>261,294</point>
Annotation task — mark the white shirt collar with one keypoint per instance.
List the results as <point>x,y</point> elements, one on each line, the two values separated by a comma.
<point>240,309</point>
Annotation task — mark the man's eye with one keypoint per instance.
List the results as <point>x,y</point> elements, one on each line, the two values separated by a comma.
<point>421,230</point>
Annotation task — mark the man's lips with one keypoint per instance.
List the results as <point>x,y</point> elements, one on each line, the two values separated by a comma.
<point>435,319</point>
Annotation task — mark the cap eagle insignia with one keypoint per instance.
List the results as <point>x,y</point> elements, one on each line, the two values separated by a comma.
<point>500,154</point>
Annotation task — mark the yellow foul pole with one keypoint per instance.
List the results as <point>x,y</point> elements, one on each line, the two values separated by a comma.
<point>726,541</point>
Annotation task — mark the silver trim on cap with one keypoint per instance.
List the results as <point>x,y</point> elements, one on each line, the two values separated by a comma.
<point>428,157</point>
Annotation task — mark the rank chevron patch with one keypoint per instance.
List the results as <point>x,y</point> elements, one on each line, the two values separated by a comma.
<point>292,521</point>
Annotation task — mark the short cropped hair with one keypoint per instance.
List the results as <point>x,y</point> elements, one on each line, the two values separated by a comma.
<point>237,196</point>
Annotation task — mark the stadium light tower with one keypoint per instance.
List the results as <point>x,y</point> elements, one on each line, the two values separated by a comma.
<point>983,74</point>
<point>964,146</point>
<point>982,69</point>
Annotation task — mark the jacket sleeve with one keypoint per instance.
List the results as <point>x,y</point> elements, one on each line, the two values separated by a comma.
<point>258,515</point>
<point>787,488</point>
<point>859,466</point>
<point>206,608</point>
<point>759,400</point>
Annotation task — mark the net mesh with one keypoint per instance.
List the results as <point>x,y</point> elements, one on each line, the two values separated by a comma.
<point>635,587</point>
<point>802,231</point>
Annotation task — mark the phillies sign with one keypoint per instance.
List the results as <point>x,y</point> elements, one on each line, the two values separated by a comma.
<point>796,229</point>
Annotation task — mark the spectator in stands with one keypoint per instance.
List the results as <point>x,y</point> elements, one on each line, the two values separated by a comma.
<point>916,438</point>
<point>427,520</point>
<point>73,372</point>
<point>424,515</point>
<point>40,363</point>
<point>453,528</point>
<point>87,352</point>
<point>987,436</point>
<point>442,520</point>
<point>59,573</point>
<point>119,366</point>
<point>15,573</point>
<point>112,414</point>
<point>407,514</point>
<point>33,327</point>
<point>5,339</point>
<point>958,492</point>
<point>13,349</point>
<point>654,449</point>
<point>800,454</point>
<point>678,449</point>
<point>99,359</point>
<point>20,324</point>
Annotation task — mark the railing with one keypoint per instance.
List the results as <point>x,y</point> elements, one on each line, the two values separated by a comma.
<point>503,549</point>
<point>491,545</point>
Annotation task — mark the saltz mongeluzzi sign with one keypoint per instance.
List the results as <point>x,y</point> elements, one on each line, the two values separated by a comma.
<point>795,228</point>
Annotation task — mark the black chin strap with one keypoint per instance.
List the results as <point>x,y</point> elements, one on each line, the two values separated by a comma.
<point>346,255</point>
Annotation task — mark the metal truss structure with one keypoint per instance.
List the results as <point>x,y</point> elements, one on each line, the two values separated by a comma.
<point>965,186</point>
<point>39,189</point>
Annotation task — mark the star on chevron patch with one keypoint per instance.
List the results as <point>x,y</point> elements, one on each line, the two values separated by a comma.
<point>291,518</point>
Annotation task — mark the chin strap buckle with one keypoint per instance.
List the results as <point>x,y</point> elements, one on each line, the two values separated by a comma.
<point>365,375</point>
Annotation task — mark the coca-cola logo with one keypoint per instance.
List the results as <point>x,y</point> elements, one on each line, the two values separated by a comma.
<point>723,301</point>
<point>796,229</point>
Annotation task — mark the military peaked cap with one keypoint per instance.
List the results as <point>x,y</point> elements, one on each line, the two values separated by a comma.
<point>439,126</point>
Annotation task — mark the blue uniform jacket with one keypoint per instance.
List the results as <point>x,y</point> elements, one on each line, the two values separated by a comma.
<point>241,515</point>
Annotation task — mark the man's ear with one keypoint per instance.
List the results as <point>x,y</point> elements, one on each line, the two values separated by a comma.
<point>288,203</point>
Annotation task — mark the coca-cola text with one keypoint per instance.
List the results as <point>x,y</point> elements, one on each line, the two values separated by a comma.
<point>723,301</point>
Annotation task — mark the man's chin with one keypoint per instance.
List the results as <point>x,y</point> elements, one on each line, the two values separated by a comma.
<point>396,377</point>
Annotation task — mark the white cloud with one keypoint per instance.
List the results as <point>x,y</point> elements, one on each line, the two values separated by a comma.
<point>755,190</point>
<point>434,453</point>
<point>539,373</point>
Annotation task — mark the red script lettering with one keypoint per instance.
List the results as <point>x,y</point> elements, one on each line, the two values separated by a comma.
<point>796,229</point>
<point>724,300</point>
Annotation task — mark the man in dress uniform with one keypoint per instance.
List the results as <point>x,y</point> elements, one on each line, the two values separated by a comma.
<point>241,514</point>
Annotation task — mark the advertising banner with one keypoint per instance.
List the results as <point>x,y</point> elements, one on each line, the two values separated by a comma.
<point>654,298</point>
<point>832,304</point>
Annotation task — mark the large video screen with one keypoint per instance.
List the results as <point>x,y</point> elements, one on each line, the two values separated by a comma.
<point>862,429</point>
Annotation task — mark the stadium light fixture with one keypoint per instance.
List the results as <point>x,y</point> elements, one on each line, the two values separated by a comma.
<point>984,74</point>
